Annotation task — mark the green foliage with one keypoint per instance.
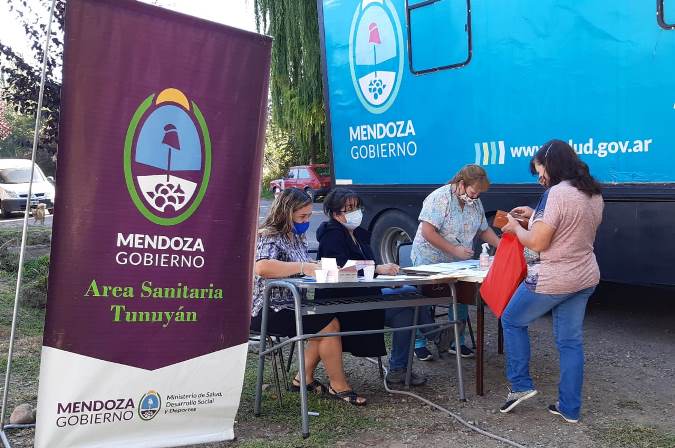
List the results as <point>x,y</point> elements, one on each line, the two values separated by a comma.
<point>296,86</point>
<point>35,279</point>
<point>22,74</point>
<point>18,144</point>
<point>280,154</point>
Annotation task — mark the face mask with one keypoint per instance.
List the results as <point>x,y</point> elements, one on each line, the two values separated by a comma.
<point>353,219</point>
<point>467,199</point>
<point>300,227</point>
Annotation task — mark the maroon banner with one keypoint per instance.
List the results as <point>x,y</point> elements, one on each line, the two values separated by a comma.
<point>159,162</point>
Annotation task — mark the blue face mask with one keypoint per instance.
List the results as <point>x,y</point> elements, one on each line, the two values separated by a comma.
<point>300,227</point>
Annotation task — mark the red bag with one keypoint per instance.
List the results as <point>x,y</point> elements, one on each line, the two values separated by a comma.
<point>507,271</point>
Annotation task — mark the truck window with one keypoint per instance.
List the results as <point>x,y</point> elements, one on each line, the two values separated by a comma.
<point>304,174</point>
<point>291,174</point>
<point>439,34</point>
<point>665,14</point>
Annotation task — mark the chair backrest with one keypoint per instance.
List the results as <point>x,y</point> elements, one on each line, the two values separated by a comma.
<point>313,253</point>
<point>404,250</point>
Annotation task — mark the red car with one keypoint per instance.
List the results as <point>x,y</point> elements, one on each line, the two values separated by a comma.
<point>314,179</point>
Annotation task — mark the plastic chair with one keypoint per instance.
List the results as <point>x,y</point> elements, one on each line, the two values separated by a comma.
<point>403,256</point>
<point>272,341</point>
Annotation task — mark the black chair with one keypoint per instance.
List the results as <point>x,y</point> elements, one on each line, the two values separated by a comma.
<point>404,260</point>
<point>272,341</point>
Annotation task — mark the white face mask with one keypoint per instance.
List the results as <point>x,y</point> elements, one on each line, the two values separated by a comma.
<point>353,219</point>
<point>467,199</point>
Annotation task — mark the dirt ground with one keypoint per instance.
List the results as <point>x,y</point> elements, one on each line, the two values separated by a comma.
<point>629,389</point>
<point>629,392</point>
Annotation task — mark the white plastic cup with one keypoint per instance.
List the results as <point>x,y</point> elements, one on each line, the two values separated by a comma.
<point>321,275</point>
<point>368,272</point>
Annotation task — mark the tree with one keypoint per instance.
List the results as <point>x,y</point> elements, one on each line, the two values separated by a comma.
<point>22,75</point>
<point>296,88</point>
<point>5,128</point>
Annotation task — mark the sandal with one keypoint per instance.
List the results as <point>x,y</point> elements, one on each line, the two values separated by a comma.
<point>349,396</point>
<point>314,387</point>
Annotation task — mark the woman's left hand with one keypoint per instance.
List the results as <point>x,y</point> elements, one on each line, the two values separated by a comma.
<point>512,226</point>
<point>387,269</point>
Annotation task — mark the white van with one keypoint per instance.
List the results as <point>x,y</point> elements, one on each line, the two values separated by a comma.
<point>14,182</point>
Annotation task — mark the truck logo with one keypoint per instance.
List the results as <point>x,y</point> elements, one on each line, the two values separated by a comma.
<point>167,157</point>
<point>490,153</point>
<point>376,54</point>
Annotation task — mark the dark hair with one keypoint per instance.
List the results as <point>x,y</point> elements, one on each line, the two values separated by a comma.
<point>562,163</point>
<point>336,200</point>
<point>279,221</point>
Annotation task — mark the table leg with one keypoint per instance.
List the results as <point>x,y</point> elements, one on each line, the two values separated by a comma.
<point>301,363</point>
<point>458,352</point>
<point>408,372</point>
<point>480,336</point>
<point>261,357</point>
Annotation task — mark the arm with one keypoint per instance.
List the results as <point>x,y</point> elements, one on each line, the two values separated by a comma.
<point>538,238</point>
<point>430,233</point>
<point>489,236</point>
<point>267,268</point>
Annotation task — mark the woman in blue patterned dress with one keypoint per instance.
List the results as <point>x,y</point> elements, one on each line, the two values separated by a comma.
<point>451,217</point>
<point>281,252</point>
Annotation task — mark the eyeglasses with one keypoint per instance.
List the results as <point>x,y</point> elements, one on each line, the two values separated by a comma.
<point>351,209</point>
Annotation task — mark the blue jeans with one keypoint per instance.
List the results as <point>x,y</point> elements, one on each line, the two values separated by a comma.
<point>568,318</point>
<point>462,311</point>
<point>396,318</point>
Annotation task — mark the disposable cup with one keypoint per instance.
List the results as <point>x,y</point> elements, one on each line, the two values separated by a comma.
<point>368,272</point>
<point>321,275</point>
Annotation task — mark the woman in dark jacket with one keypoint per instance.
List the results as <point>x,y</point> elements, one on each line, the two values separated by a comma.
<point>342,238</point>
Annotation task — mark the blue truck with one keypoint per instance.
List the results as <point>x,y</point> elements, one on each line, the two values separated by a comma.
<point>414,90</point>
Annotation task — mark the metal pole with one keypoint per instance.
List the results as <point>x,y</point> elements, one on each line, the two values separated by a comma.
<point>458,348</point>
<point>22,251</point>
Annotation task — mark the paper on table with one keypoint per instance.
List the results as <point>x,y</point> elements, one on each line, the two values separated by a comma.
<point>360,264</point>
<point>400,277</point>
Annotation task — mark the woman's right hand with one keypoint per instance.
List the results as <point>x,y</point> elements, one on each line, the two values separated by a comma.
<point>463,253</point>
<point>310,267</point>
<point>522,212</point>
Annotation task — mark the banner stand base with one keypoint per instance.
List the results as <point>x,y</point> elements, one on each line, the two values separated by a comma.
<point>3,435</point>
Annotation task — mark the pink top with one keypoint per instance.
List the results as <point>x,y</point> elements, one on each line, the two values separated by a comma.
<point>569,264</point>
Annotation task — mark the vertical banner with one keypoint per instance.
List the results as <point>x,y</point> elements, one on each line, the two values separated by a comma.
<point>160,151</point>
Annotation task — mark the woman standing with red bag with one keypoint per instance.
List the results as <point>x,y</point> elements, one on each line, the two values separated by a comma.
<point>562,273</point>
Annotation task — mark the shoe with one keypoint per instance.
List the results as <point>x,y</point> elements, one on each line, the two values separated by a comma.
<point>515,398</point>
<point>397,376</point>
<point>423,354</point>
<point>553,409</point>
<point>465,352</point>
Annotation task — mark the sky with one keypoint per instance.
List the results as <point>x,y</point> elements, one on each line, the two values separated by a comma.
<point>237,13</point>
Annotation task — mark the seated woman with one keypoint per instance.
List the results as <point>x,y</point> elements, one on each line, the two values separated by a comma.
<point>342,238</point>
<point>281,251</point>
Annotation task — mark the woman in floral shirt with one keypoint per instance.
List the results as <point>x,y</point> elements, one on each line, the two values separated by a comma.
<point>281,252</point>
<point>451,217</point>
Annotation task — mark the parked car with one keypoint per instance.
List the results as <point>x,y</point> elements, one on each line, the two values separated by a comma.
<point>314,179</point>
<point>14,182</point>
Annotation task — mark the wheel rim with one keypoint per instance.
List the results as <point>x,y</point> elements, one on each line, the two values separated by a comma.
<point>392,239</point>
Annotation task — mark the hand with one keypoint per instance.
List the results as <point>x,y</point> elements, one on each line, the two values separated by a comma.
<point>310,268</point>
<point>512,225</point>
<point>522,212</point>
<point>463,253</point>
<point>387,269</point>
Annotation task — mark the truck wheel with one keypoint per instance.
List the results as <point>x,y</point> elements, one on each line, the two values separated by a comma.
<point>391,230</point>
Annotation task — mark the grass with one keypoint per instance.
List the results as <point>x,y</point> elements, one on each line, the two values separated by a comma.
<point>266,194</point>
<point>336,420</point>
<point>630,435</point>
